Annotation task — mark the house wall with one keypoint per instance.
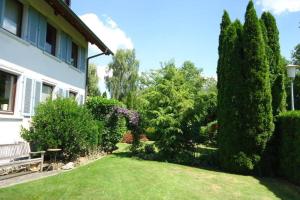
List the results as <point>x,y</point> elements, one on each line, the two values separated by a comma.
<point>19,57</point>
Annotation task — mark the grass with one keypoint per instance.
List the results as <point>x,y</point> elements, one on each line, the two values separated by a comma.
<point>118,177</point>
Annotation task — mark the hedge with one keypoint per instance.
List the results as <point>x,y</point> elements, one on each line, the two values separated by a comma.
<point>288,133</point>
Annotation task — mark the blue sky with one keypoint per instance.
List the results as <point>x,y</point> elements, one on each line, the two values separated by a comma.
<point>161,30</point>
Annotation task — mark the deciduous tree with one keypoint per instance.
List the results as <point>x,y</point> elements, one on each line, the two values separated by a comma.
<point>122,85</point>
<point>93,80</point>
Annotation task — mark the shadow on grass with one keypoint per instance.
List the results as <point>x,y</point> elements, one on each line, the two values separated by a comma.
<point>280,188</point>
<point>124,154</point>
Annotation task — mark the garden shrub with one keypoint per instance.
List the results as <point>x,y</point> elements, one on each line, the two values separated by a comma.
<point>149,148</point>
<point>147,152</point>
<point>288,127</point>
<point>127,138</point>
<point>143,138</point>
<point>151,133</point>
<point>114,125</point>
<point>208,133</point>
<point>63,124</point>
<point>102,107</point>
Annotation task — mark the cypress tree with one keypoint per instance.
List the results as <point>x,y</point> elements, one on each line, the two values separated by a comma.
<point>257,120</point>
<point>277,70</point>
<point>220,71</point>
<point>223,27</point>
<point>230,127</point>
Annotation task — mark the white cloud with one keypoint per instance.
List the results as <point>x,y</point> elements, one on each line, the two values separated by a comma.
<point>280,6</point>
<point>108,31</point>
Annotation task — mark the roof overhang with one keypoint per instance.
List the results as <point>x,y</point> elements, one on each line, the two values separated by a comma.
<point>60,8</point>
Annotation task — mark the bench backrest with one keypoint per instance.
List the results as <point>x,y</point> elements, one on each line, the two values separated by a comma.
<point>12,151</point>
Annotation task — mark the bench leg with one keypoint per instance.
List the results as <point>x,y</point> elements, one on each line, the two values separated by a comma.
<point>42,162</point>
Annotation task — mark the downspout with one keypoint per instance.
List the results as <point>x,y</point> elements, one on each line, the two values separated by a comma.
<point>87,70</point>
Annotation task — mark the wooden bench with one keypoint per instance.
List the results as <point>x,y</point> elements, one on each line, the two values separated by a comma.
<point>14,155</point>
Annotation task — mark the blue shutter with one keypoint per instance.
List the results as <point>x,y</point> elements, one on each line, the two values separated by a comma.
<point>27,97</point>
<point>2,7</point>
<point>42,32</point>
<point>63,46</point>
<point>69,49</point>
<point>67,93</point>
<point>37,95</point>
<point>82,59</point>
<point>33,25</point>
<point>60,93</point>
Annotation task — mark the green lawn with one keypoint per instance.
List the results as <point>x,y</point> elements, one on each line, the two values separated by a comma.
<point>117,177</point>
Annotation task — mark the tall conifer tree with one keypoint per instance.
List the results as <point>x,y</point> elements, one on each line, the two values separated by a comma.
<point>230,128</point>
<point>257,119</point>
<point>277,71</point>
<point>220,72</point>
<point>223,27</point>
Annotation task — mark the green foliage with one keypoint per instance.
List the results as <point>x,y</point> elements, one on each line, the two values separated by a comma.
<point>208,133</point>
<point>101,107</point>
<point>221,61</point>
<point>63,124</point>
<point>149,148</point>
<point>173,104</point>
<point>123,83</point>
<point>296,55</point>
<point>93,80</point>
<point>257,101</point>
<point>151,133</point>
<point>114,126</point>
<point>230,109</point>
<point>288,133</point>
<point>277,69</point>
<point>245,102</point>
<point>204,111</point>
<point>113,132</point>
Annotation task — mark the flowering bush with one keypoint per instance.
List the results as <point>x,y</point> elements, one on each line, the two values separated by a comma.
<point>133,123</point>
<point>114,125</point>
<point>117,120</point>
<point>132,116</point>
<point>127,138</point>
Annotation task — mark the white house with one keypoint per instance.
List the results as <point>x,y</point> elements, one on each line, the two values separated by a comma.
<point>43,54</point>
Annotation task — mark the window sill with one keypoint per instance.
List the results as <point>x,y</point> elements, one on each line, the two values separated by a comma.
<point>19,39</point>
<point>9,113</point>
<point>6,116</point>
<point>74,68</point>
<point>52,56</point>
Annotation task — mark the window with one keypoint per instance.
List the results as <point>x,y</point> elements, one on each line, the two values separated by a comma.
<point>72,94</point>
<point>50,46</point>
<point>47,91</point>
<point>12,17</point>
<point>7,91</point>
<point>74,54</point>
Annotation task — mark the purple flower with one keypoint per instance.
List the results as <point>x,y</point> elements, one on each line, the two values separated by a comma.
<point>132,116</point>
